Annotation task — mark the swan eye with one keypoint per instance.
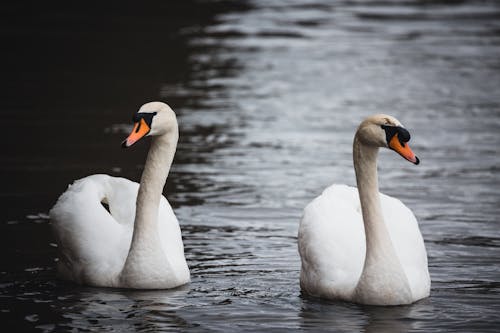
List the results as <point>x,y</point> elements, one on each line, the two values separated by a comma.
<point>390,131</point>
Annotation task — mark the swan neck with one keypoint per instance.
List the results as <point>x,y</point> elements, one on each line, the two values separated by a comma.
<point>145,247</point>
<point>365,166</point>
<point>158,163</point>
<point>382,271</point>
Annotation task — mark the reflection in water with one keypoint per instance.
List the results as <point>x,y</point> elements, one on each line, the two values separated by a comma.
<point>346,317</point>
<point>395,319</point>
<point>268,97</point>
<point>126,311</point>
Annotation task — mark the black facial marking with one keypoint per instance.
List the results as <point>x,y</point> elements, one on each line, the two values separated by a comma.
<point>390,131</point>
<point>147,116</point>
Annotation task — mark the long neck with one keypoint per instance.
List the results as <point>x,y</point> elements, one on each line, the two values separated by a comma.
<point>382,272</point>
<point>365,166</point>
<point>160,157</point>
<point>145,249</point>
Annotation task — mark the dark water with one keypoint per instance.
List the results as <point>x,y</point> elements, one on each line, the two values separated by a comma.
<point>268,98</point>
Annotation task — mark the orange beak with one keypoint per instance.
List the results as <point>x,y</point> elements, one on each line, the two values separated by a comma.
<point>140,130</point>
<point>403,149</point>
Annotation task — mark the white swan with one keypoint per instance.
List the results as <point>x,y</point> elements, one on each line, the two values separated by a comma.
<point>138,243</point>
<point>389,265</point>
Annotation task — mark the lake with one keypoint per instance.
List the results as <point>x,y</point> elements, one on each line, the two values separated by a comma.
<point>268,97</point>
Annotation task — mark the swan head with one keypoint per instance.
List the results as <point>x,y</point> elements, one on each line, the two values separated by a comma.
<point>152,119</point>
<point>385,131</point>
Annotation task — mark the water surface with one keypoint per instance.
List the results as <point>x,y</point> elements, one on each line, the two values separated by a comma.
<point>268,98</point>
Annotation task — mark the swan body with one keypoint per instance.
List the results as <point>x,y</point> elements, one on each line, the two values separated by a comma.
<point>137,243</point>
<point>359,245</point>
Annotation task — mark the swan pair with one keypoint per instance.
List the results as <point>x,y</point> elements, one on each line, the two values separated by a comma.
<point>114,249</point>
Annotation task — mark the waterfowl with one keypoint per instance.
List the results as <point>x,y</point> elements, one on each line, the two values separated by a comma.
<point>357,244</point>
<point>136,242</point>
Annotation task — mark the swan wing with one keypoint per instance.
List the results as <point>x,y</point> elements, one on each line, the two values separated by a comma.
<point>171,241</point>
<point>93,244</point>
<point>408,243</point>
<point>332,243</point>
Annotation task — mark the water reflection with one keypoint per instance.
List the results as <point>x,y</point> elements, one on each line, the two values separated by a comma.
<point>346,317</point>
<point>131,311</point>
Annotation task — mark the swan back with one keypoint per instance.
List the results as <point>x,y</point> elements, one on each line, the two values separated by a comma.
<point>94,244</point>
<point>332,244</point>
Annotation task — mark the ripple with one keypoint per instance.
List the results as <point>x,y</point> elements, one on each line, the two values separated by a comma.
<point>268,99</point>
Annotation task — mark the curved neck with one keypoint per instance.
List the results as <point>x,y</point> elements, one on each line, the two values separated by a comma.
<point>160,157</point>
<point>365,166</point>
<point>382,269</point>
<point>146,246</point>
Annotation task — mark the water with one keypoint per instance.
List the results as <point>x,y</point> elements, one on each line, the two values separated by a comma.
<point>268,97</point>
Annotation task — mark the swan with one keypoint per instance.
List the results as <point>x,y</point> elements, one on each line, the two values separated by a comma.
<point>137,244</point>
<point>359,245</point>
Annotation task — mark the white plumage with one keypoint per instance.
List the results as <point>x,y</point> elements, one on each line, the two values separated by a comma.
<point>371,256</point>
<point>332,243</point>
<point>123,247</point>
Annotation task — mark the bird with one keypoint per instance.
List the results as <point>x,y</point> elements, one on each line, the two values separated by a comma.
<point>359,245</point>
<point>113,232</point>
